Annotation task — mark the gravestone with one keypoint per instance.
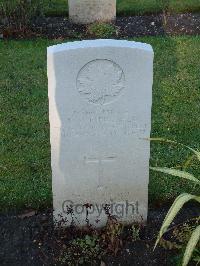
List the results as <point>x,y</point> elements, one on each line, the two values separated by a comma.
<point>89,11</point>
<point>100,95</point>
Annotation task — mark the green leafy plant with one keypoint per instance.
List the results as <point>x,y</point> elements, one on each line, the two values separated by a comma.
<point>90,249</point>
<point>179,202</point>
<point>135,232</point>
<point>102,30</point>
<point>81,251</point>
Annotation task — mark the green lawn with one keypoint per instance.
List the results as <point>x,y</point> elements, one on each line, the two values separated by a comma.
<point>132,7</point>
<point>129,7</point>
<point>25,173</point>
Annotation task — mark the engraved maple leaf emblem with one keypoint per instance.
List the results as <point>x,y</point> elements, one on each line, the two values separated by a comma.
<point>100,81</point>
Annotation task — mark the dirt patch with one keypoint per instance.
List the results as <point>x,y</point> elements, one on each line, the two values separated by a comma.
<point>126,27</point>
<point>177,24</point>
<point>30,239</point>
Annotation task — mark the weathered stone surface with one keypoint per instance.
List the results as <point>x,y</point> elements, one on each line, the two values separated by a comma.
<point>89,11</point>
<point>100,95</point>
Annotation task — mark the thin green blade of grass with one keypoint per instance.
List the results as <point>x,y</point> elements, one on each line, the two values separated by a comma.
<point>175,208</point>
<point>178,173</point>
<point>188,161</point>
<point>191,246</point>
<point>197,153</point>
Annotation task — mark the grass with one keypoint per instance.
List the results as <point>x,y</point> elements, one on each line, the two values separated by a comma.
<point>133,7</point>
<point>129,7</point>
<point>25,173</point>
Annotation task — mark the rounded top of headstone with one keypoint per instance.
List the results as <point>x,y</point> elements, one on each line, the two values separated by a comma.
<point>99,43</point>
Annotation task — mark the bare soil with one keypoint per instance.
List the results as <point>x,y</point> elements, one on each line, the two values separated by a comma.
<point>126,27</point>
<point>29,238</point>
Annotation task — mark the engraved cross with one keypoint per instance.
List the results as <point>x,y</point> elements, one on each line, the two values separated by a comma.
<point>100,162</point>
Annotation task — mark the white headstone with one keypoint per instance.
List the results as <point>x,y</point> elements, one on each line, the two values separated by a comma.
<point>100,95</point>
<point>89,11</point>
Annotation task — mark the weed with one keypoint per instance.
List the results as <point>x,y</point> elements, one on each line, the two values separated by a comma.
<point>190,235</point>
<point>81,251</point>
<point>135,232</point>
<point>112,236</point>
<point>102,30</point>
